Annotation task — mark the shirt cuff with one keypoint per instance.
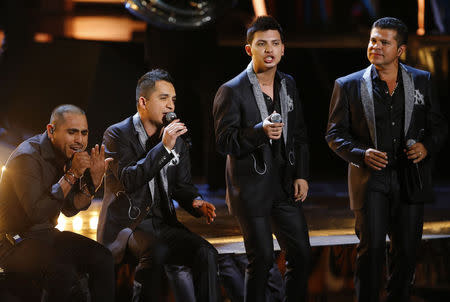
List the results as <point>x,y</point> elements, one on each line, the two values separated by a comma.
<point>57,192</point>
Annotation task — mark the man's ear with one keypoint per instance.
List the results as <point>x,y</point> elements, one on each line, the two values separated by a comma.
<point>50,130</point>
<point>401,50</point>
<point>248,49</point>
<point>142,102</point>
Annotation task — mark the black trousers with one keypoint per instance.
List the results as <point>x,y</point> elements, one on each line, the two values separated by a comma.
<point>385,212</point>
<point>55,260</point>
<point>155,244</point>
<point>288,223</point>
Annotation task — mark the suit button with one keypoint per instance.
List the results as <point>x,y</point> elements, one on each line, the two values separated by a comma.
<point>393,123</point>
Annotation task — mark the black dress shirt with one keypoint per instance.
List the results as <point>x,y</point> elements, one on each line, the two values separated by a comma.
<point>389,117</point>
<point>277,146</point>
<point>31,198</point>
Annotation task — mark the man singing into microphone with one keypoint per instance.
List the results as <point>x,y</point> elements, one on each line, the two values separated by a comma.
<point>151,167</point>
<point>385,122</point>
<point>267,162</point>
<point>44,176</point>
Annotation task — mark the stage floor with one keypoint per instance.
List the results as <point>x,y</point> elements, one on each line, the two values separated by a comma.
<point>329,218</point>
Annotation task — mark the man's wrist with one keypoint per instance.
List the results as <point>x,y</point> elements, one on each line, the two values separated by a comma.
<point>70,178</point>
<point>167,149</point>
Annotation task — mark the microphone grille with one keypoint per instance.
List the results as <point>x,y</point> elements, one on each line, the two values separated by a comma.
<point>170,116</point>
<point>275,118</point>
<point>410,142</point>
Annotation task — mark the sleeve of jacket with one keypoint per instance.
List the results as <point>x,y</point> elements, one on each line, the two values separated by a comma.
<point>183,190</point>
<point>437,128</point>
<point>133,173</point>
<point>39,202</point>
<point>338,135</point>
<point>300,140</point>
<point>231,138</point>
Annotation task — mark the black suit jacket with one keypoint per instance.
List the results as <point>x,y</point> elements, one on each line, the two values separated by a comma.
<point>352,126</point>
<point>131,170</point>
<point>240,136</point>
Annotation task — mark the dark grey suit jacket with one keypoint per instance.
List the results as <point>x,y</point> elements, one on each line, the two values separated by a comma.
<point>240,136</point>
<point>131,170</point>
<point>352,125</point>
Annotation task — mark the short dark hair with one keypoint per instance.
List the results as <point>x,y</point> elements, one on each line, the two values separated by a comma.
<point>395,24</point>
<point>263,23</point>
<point>58,113</point>
<point>148,81</point>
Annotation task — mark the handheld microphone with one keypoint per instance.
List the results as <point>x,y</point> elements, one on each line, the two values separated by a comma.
<point>86,175</point>
<point>170,117</point>
<point>276,118</point>
<point>409,143</point>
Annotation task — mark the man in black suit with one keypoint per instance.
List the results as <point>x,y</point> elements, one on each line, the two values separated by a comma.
<point>267,161</point>
<point>151,166</point>
<point>385,122</point>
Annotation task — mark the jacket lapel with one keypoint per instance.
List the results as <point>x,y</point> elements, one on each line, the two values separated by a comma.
<point>257,92</point>
<point>408,85</point>
<point>284,107</point>
<point>367,102</point>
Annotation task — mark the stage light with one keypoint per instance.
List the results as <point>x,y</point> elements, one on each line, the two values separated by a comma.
<point>61,223</point>
<point>259,6</point>
<point>421,17</point>
<point>43,38</point>
<point>93,222</point>
<point>77,224</point>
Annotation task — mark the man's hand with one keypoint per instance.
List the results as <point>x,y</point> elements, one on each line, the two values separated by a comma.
<point>80,162</point>
<point>416,152</point>
<point>300,189</point>
<point>99,164</point>
<point>375,159</point>
<point>272,130</point>
<point>171,132</point>
<point>206,209</point>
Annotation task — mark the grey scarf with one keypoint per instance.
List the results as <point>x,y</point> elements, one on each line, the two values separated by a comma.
<point>143,137</point>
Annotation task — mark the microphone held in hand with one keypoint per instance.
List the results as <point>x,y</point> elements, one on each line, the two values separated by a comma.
<point>86,175</point>
<point>409,143</point>
<point>170,117</point>
<point>275,118</point>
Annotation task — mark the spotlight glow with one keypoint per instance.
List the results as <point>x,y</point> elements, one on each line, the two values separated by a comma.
<point>93,222</point>
<point>77,224</point>
<point>259,6</point>
<point>61,223</point>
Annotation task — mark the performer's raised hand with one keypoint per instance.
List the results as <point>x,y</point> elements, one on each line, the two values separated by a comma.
<point>172,132</point>
<point>98,164</point>
<point>272,130</point>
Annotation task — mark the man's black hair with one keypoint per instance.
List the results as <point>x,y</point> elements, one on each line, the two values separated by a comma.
<point>263,23</point>
<point>394,24</point>
<point>148,81</point>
